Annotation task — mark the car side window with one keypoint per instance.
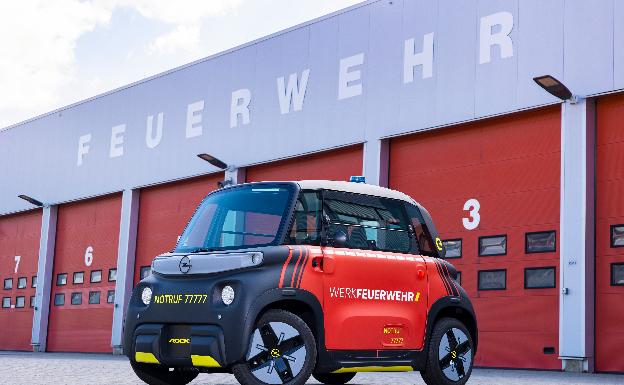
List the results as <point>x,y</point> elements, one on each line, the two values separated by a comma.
<point>307,220</point>
<point>368,222</point>
<point>420,230</point>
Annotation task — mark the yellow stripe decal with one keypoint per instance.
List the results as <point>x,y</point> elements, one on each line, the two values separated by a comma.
<point>357,369</point>
<point>147,358</point>
<point>205,361</point>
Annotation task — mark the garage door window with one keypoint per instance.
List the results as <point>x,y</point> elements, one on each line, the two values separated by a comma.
<point>492,279</point>
<point>458,277</point>
<point>617,236</point>
<point>61,279</point>
<point>8,284</point>
<point>453,248</point>
<point>94,298</point>
<point>22,282</point>
<point>32,301</point>
<point>541,242</point>
<point>539,278</point>
<point>20,302</point>
<point>34,282</point>
<point>79,278</point>
<point>76,298</point>
<point>6,302</point>
<point>112,275</point>
<point>96,276</point>
<point>493,245</point>
<point>59,300</point>
<point>110,296</point>
<point>617,274</point>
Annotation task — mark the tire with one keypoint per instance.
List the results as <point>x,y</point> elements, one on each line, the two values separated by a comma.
<point>451,354</point>
<point>333,378</point>
<point>161,375</point>
<point>282,350</point>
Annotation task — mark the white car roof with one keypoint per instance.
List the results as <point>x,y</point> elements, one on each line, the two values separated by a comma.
<point>357,188</point>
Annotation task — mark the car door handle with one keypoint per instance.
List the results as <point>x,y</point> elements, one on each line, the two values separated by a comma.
<point>324,264</point>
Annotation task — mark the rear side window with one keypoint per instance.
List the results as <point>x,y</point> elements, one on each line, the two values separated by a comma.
<point>368,222</point>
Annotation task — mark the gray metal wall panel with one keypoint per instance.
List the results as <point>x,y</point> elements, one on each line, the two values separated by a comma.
<point>455,64</point>
<point>588,46</point>
<point>496,81</point>
<point>40,156</point>
<point>540,48</point>
<point>618,44</point>
<point>418,99</point>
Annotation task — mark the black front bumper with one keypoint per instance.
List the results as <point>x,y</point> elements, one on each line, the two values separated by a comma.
<point>179,345</point>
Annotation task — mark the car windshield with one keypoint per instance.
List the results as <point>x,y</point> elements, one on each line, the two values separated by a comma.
<point>239,217</point>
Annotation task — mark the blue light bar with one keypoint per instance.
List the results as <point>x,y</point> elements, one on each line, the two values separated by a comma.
<point>357,179</point>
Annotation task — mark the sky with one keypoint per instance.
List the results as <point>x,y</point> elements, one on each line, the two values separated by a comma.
<point>57,52</point>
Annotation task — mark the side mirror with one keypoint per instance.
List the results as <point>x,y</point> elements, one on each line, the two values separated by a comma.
<point>337,239</point>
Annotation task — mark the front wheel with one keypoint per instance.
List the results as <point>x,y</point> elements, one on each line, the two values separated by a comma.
<point>333,378</point>
<point>450,355</point>
<point>159,375</point>
<point>282,351</point>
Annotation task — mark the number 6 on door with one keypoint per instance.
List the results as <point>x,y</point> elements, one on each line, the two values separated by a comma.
<point>472,206</point>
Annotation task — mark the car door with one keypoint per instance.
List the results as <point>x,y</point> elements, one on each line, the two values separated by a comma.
<point>375,284</point>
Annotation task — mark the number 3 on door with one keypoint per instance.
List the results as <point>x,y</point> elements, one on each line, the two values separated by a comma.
<point>472,206</point>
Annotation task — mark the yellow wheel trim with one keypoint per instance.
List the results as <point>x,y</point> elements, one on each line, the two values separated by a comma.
<point>146,358</point>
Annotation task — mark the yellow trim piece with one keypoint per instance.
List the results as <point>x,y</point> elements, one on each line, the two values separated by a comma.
<point>205,361</point>
<point>147,358</point>
<point>357,369</point>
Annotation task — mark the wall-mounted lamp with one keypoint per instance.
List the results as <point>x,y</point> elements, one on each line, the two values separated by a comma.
<point>218,164</point>
<point>30,200</point>
<point>557,89</point>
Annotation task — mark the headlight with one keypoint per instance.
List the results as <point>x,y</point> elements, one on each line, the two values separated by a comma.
<point>227,295</point>
<point>146,295</point>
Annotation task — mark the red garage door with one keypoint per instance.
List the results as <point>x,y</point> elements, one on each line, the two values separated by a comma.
<point>19,251</point>
<point>610,234</point>
<point>164,211</point>
<point>490,185</point>
<point>337,164</point>
<point>85,260</point>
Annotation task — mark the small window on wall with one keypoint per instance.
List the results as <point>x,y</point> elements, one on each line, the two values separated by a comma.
<point>94,298</point>
<point>494,245</point>
<point>76,298</point>
<point>453,248</point>
<point>34,282</point>
<point>96,276</point>
<point>110,296</point>
<point>145,271</point>
<point>492,279</point>
<point>6,302</point>
<point>32,301</point>
<point>540,242</point>
<point>61,279</point>
<point>617,235</point>
<point>617,274</point>
<point>22,282</point>
<point>79,278</point>
<point>539,278</point>
<point>8,284</point>
<point>20,302</point>
<point>458,277</point>
<point>59,299</point>
<point>112,275</point>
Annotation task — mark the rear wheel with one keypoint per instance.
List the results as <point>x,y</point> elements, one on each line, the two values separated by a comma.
<point>450,355</point>
<point>160,375</point>
<point>282,350</point>
<point>333,378</point>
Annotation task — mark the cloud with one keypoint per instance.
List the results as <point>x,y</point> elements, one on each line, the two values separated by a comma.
<point>37,44</point>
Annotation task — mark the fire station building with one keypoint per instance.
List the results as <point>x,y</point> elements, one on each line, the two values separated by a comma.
<point>434,98</point>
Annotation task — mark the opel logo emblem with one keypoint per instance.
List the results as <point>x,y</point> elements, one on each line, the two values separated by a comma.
<point>185,265</point>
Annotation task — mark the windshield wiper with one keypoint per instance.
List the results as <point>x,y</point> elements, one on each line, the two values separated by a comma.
<point>203,250</point>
